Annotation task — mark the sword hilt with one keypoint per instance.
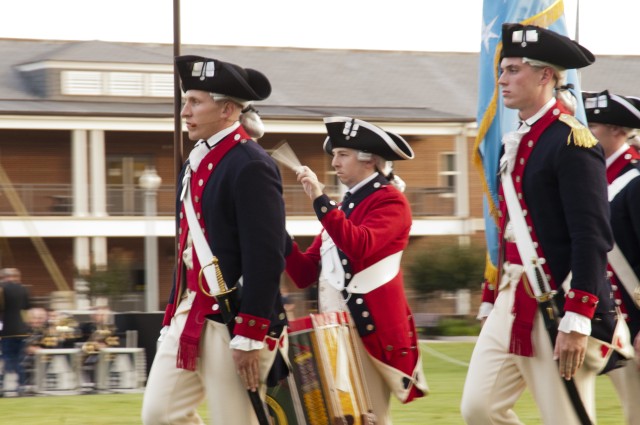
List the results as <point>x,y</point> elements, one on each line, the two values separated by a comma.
<point>222,286</point>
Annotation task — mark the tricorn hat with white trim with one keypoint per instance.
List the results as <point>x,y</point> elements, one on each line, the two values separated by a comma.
<point>533,42</point>
<point>352,133</point>
<point>607,108</point>
<point>216,76</point>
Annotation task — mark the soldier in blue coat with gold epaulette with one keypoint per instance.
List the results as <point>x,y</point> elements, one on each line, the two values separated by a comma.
<point>613,119</point>
<point>230,207</point>
<point>554,227</point>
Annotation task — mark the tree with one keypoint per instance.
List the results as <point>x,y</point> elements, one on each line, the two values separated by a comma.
<point>447,268</point>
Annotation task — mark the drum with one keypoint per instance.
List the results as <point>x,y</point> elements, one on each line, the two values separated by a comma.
<point>326,384</point>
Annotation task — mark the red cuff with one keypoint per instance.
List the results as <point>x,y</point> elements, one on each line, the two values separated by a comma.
<point>580,302</point>
<point>168,314</point>
<point>251,326</point>
<point>488,292</point>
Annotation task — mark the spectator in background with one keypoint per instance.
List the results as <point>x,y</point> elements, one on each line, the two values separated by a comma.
<point>38,321</point>
<point>14,328</point>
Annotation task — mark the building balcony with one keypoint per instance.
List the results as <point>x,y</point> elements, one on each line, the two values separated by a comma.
<point>56,200</point>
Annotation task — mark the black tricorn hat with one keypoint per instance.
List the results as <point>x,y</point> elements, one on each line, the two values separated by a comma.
<point>607,108</point>
<point>216,76</point>
<point>352,133</point>
<point>533,42</point>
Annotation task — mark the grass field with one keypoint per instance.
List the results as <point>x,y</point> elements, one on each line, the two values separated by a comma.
<point>445,368</point>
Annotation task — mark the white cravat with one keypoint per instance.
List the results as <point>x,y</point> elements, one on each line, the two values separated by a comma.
<point>202,148</point>
<point>199,151</point>
<point>511,140</point>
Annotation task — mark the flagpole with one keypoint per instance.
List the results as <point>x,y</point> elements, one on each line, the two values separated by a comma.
<point>177,92</point>
<point>577,21</point>
<point>177,102</point>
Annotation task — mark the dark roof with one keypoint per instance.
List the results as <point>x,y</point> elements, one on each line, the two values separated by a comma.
<point>307,83</point>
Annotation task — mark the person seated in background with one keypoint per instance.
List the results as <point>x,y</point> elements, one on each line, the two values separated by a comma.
<point>97,334</point>
<point>37,320</point>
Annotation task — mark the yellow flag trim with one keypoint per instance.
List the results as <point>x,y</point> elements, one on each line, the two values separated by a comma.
<point>542,19</point>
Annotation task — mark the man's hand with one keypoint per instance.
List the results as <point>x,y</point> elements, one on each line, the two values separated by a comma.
<point>570,351</point>
<point>312,187</point>
<point>248,367</point>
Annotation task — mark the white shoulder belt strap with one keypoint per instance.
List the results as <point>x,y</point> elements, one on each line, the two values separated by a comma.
<point>618,184</point>
<point>616,258</point>
<point>199,242</point>
<point>625,273</point>
<point>375,275</point>
<point>528,254</point>
<point>365,280</point>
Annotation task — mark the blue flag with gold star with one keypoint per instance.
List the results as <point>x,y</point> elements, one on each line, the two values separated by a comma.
<point>493,118</point>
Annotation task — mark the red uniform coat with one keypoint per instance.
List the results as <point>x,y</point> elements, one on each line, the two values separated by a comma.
<point>375,223</point>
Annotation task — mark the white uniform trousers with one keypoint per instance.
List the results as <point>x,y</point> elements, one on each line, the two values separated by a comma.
<point>379,391</point>
<point>496,379</point>
<point>626,381</point>
<point>172,395</point>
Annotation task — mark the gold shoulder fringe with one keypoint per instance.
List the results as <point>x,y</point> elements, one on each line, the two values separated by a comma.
<point>580,135</point>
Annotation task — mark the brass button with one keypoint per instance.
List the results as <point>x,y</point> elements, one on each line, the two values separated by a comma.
<point>252,322</point>
<point>370,327</point>
<point>239,319</point>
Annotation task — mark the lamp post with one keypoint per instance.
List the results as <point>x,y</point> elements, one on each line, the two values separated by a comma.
<point>150,181</point>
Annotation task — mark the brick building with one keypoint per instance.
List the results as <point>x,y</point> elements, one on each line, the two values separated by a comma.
<point>81,121</point>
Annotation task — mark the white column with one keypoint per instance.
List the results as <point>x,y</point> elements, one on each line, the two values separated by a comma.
<point>97,161</point>
<point>97,167</point>
<point>82,261</point>
<point>99,250</point>
<point>79,173</point>
<point>81,254</point>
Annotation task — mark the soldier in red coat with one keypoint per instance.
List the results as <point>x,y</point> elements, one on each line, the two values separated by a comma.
<point>229,207</point>
<point>356,257</point>
<point>554,227</point>
<point>612,119</point>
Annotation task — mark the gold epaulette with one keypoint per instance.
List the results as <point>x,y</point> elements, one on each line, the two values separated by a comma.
<point>580,135</point>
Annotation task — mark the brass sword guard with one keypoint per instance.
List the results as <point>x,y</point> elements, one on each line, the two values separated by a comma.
<point>221,284</point>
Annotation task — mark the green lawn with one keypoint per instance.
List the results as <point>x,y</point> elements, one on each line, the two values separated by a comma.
<point>445,368</point>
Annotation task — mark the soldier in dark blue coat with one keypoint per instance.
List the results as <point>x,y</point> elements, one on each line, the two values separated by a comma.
<point>613,120</point>
<point>555,228</point>
<point>230,207</point>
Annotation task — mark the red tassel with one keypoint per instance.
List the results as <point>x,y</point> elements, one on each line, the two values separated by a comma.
<point>187,355</point>
<point>521,344</point>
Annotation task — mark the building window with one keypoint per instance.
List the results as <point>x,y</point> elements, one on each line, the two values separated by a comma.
<point>125,84</point>
<point>103,83</point>
<point>82,83</point>
<point>448,172</point>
